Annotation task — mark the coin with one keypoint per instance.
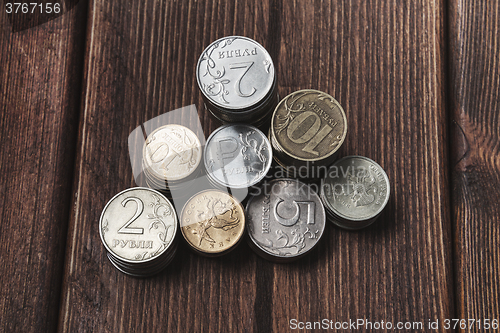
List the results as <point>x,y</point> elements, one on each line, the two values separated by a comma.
<point>171,156</point>
<point>355,191</point>
<point>212,222</point>
<point>237,156</point>
<point>285,220</point>
<point>138,228</point>
<point>235,72</point>
<point>149,269</point>
<point>307,128</point>
<point>237,79</point>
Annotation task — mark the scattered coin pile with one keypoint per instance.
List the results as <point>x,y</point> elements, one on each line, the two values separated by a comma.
<point>284,217</point>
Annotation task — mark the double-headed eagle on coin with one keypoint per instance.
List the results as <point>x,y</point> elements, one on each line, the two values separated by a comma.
<point>219,215</point>
<point>364,188</point>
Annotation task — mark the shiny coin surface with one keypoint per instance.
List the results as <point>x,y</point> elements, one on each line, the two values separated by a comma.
<point>212,222</point>
<point>355,191</point>
<point>237,156</point>
<point>285,220</point>
<point>138,227</point>
<point>171,153</point>
<point>235,73</point>
<point>307,126</point>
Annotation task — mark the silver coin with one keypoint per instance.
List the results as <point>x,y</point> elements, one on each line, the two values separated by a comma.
<point>355,191</point>
<point>140,271</point>
<point>138,225</point>
<point>285,220</point>
<point>171,153</point>
<point>258,116</point>
<point>237,156</point>
<point>235,73</point>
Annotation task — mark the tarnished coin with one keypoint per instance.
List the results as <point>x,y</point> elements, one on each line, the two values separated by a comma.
<point>237,79</point>
<point>355,191</point>
<point>138,227</point>
<point>307,126</point>
<point>172,154</point>
<point>212,222</point>
<point>237,156</point>
<point>285,220</point>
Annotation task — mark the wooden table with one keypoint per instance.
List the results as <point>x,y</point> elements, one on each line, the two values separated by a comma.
<point>420,83</point>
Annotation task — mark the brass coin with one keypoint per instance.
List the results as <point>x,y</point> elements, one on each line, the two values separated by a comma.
<point>308,125</point>
<point>212,222</point>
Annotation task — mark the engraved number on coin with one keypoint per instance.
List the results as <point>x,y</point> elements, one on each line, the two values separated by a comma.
<point>237,85</point>
<point>312,136</point>
<point>169,160</point>
<point>140,208</point>
<point>161,153</point>
<point>291,221</point>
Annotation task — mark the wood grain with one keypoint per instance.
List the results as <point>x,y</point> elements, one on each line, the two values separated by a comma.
<point>382,60</point>
<point>475,87</point>
<point>142,56</point>
<point>40,80</point>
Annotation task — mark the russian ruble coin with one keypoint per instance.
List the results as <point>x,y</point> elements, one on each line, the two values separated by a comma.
<point>237,156</point>
<point>171,157</point>
<point>237,79</point>
<point>138,228</point>
<point>307,129</point>
<point>355,191</point>
<point>285,220</point>
<point>212,222</point>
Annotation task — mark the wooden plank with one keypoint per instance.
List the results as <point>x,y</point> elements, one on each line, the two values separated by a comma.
<point>382,61</point>
<point>475,110</point>
<point>141,63</point>
<point>40,80</point>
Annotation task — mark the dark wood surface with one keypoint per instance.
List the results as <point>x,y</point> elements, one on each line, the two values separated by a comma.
<point>40,89</point>
<point>419,83</point>
<point>475,163</point>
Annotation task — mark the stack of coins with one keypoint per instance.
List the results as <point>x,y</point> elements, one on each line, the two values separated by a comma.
<point>171,158</point>
<point>285,220</point>
<point>355,192</point>
<point>212,222</point>
<point>138,228</point>
<point>307,129</point>
<point>236,77</point>
<point>237,156</point>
